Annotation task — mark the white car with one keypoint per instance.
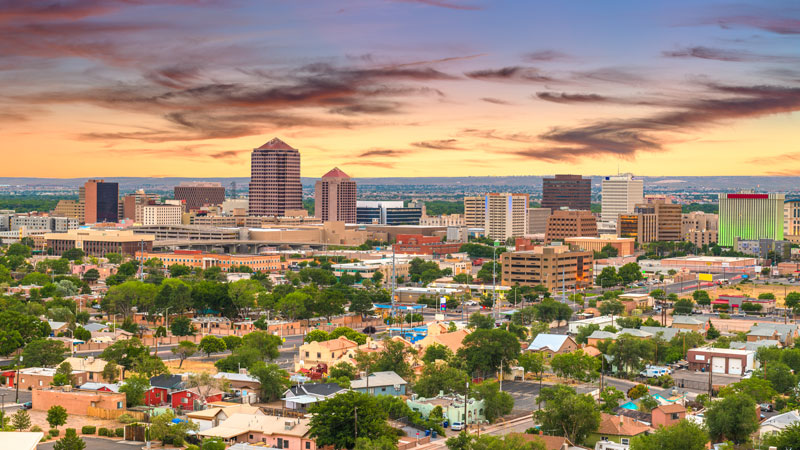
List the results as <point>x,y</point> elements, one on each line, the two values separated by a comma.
<point>456,426</point>
<point>471,303</point>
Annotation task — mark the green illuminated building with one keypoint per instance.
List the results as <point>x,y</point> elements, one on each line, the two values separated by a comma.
<point>750,216</point>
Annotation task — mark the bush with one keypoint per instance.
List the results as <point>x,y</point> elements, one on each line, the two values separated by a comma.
<point>178,441</point>
<point>119,432</point>
<point>53,432</point>
<point>192,447</point>
<point>102,431</point>
<point>88,429</point>
<point>724,316</point>
<point>126,419</point>
<point>36,428</point>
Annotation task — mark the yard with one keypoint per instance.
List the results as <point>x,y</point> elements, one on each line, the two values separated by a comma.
<point>73,421</point>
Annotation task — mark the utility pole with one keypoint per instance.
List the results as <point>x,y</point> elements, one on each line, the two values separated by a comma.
<point>356,416</point>
<point>501,375</point>
<point>3,397</point>
<point>141,264</point>
<point>710,380</point>
<point>494,279</point>
<point>466,396</point>
<point>16,380</point>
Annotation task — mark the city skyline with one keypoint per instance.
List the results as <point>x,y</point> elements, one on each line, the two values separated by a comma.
<point>400,88</point>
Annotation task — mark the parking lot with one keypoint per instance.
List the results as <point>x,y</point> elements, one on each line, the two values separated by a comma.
<point>525,393</point>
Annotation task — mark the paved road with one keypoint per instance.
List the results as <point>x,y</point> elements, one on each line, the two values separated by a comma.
<point>9,395</point>
<point>97,444</point>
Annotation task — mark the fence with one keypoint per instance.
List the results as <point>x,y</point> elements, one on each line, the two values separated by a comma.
<point>113,414</point>
<point>280,412</point>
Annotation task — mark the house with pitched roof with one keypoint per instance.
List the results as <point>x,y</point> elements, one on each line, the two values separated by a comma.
<point>690,323</point>
<point>776,424</point>
<point>784,333</point>
<point>301,396</point>
<point>667,415</point>
<point>270,431</point>
<point>619,429</point>
<point>438,334</point>
<point>380,383</point>
<point>550,442</point>
<point>552,344</point>
<point>212,417</point>
<point>243,384</point>
<point>325,352</point>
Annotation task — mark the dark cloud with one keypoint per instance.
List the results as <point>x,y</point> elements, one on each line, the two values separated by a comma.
<point>611,75</point>
<point>383,152</point>
<point>442,144</point>
<point>564,97</point>
<point>767,22</point>
<point>544,55</point>
<point>496,101</point>
<point>728,55</point>
<point>513,73</point>
<point>174,76</point>
<point>495,135</point>
<point>228,154</point>
<point>48,10</point>
<point>444,4</point>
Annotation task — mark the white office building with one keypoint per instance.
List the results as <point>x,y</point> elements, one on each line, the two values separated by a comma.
<point>619,195</point>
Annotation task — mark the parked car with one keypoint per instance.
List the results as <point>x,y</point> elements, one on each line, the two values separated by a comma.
<point>27,405</point>
<point>457,426</point>
<point>766,407</point>
<point>655,371</point>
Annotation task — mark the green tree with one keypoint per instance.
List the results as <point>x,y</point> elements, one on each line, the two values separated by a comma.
<point>21,421</point>
<point>91,275</point>
<point>179,270</point>
<point>213,444</point>
<point>212,344</point>
<point>185,349</point>
<point>792,300</point>
<point>17,249</point>
<point>43,353</point>
<point>110,372</point>
<point>182,326</point>
<point>684,306</point>
<point>576,365</point>
<point>343,369</point>
<point>125,353</point>
<point>733,418</point>
<point>396,357</point>
<point>82,334</point>
<point>647,403</point>
<point>532,362</point>
<point>486,350</point>
<point>243,294</point>
<point>608,277</point>
<point>361,303</point>
<point>163,429</point>
<point>134,388</point>
<point>113,258</point>
<point>480,321</point>
<point>781,377</point>
<point>788,439</point>
<point>70,441</point>
<point>63,375</point>
<point>611,397</point>
<point>274,380</point>
<point>758,389</point>
<point>293,305</point>
<point>611,307</point>
<point>585,331</point>
<point>73,254</point>
<point>684,435</point>
<point>440,377</point>
<point>333,421</point>
<point>566,413</point>
<point>712,333</point>
<point>232,342</point>
<point>630,272</point>
<point>56,416</point>
<point>436,351</point>
<point>496,403</point>
<point>485,273</point>
<point>701,297</point>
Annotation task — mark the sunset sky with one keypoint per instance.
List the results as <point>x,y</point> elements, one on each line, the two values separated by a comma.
<point>400,88</point>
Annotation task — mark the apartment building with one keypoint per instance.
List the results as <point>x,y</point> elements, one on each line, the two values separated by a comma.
<point>501,215</point>
<point>564,223</point>
<point>554,266</point>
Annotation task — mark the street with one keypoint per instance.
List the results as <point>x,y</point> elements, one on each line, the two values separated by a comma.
<point>97,444</point>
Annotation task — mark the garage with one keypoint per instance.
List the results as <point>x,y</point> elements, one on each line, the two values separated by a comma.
<point>718,364</point>
<point>735,366</point>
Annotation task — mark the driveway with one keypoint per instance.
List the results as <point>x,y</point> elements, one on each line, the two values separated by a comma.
<point>97,444</point>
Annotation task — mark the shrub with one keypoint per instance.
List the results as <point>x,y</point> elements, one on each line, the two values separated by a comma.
<point>724,316</point>
<point>119,432</point>
<point>126,419</point>
<point>53,432</point>
<point>88,429</point>
<point>36,428</point>
<point>192,447</point>
<point>102,431</point>
<point>178,441</point>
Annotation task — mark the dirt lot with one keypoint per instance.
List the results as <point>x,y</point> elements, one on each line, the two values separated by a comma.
<point>191,365</point>
<point>751,290</point>
<point>40,418</point>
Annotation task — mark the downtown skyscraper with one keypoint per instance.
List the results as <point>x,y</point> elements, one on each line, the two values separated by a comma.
<point>275,179</point>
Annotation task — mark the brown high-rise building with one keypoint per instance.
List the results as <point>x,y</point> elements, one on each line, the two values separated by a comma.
<point>335,197</point>
<point>275,179</point>
<point>567,191</point>
<point>101,201</point>
<point>565,223</point>
<point>196,194</point>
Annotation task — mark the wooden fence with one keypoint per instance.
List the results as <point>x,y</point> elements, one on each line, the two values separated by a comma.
<point>113,414</point>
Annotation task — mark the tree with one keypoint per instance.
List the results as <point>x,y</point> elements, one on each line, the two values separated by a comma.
<point>361,303</point>
<point>462,278</point>
<point>612,307</point>
<point>611,397</point>
<point>630,272</point>
<point>397,357</point>
<point>792,300</point>
<point>185,349</point>
<point>17,249</point>
<point>113,258</point>
<point>91,275</point>
<point>576,365</point>
<point>134,388</point>
<point>566,413</point>
<point>440,377</point>
<point>56,416</point>
<point>684,306</point>
<point>436,351</point>
<point>343,369</point>
<point>43,353</point>
<point>293,305</point>
<point>125,353</point>
<point>630,352</point>
<point>781,377</point>
<point>21,421</point>
<point>213,444</point>
<point>82,334</point>
<point>73,254</point>
<point>232,342</point>
<point>734,418</point>
<point>788,439</point>
<point>163,429</point>
<point>608,277</point>
<point>206,384</point>
<point>480,321</point>
<point>179,270</point>
<point>464,441</point>
<point>70,441</point>
<point>496,403</point>
<point>243,294</point>
<point>758,389</point>
<point>212,344</point>
<point>766,296</point>
<point>63,375</point>
<point>647,403</point>
<point>684,435</point>
<point>487,350</point>
<point>274,380</point>
<point>532,362</point>
<point>585,331</point>
<point>182,326</point>
<point>332,421</point>
<point>701,297</point>
<point>349,333</point>
<point>121,298</point>
<point>485,273</point>
<point>638,391</point>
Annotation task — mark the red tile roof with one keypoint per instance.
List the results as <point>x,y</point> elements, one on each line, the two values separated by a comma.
<point>335,173</point>
<point>620,426</point>
<point>275,144</point>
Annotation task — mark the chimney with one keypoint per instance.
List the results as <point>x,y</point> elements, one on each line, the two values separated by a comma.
<point>621,420</point>
<point>243,371</point>
<point>90,359</point>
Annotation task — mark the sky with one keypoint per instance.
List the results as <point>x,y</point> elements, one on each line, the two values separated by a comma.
<point>399,88</point>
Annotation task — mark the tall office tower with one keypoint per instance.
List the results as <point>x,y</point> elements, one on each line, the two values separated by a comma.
<point>620,194</point>
<point>567,191</point>
<point>791,217</point>
<point>101,201</point>
<point>749,216</point>
<point>275,179</point>
<point>668,221</point>
<point>504,215</point>
<point>132,204</point>
<point>199,193</point>
<point>335,197</point>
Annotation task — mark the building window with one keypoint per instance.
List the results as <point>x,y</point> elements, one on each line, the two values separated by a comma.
<point>625,441</point>
<point>308,444</point>
<point>319,355</point>
<point>675,416</point>
<point>119,405</point>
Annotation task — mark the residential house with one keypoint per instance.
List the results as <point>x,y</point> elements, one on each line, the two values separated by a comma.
<point>301,396</point>
<point>76,401</point>
<point>452,407</point>
<point>553,344</point>
<point>690,323</point>
<point>57,328</point>
<point>271,431</point>
<point>667,415</point>
<point>438,334</point>
<point>776,424</point>
<point>212,417</point>
<point>102,387</point>
<point>636,301</point>
<point>326,352</point>
<point>380,383</point>
<point>161,389</point>
<point>666,333</point>
<point>194,398</point>
<point>598,336</point>
<point>619,429</point>
<point>784,333</point>
<point>91,365</point>
<point>42,377</point>
<point>755,345</point>
<point>96,327</point>
<point>550,442</point>
<point>242,384</point>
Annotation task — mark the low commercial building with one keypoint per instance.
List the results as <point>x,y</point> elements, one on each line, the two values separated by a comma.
<point>624,246</point>
<point>689,323</point>
<point>601,321</point>
<point>53,224</point>
<point>735,302</point>
<point>76,401</point>
<point>452,408</point>
<point>200,260</point>
<point>722,360</point>
<point>764,248</point>
<point>709,264</point>
<point>91,365</point>
<point>367,268</point>
<point>417,244</point>
<point>554,266</point>
<point>99,242</point>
